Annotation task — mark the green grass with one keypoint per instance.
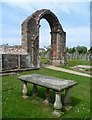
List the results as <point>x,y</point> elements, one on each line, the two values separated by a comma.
<point>78,62</point>
<point>14,106</point>
<point>72,63</point>
<point>44,60</point>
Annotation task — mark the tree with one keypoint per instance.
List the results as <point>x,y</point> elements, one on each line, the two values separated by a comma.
<point>80,51</point>
<point>47,52</point>
<point>90,53</point>
<point>71,51</point>
<point>90,50</point>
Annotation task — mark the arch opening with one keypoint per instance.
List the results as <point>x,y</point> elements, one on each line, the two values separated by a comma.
<point>44,42</point>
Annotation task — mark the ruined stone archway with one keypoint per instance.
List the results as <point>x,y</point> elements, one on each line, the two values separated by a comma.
<point>30,37</point>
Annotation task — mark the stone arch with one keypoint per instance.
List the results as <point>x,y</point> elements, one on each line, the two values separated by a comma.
<point>30,37</point>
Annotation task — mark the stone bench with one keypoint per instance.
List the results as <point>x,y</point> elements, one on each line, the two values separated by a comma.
<point>56,84</point>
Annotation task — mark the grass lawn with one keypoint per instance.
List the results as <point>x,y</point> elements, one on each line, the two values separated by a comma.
<point>14,106</point>
<point>72,63</point>
<point>44,60</point>
<point>78,62</point>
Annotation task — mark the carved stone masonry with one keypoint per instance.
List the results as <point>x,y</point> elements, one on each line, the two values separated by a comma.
<point>25,90</point>
<point>67,99</point>
<point>57,104</point>
<point>30,37</point>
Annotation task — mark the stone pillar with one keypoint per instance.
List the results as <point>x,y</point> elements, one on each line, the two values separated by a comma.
<point>59,50</point>
<point>32,54</point>
<point>25,90</point>
<point>37,52</point>
<point>46,101</point>
<point>19,66</point>
<point>55,48</point>
<point>24,36</point>
<point>35,90</point>
<point>63,48</point>
<point>67,99</point>
<point>38,62</point>
<point>29,60</point>
<point>57,104</point>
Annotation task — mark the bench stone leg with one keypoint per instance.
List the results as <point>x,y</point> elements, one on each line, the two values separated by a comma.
<point>67,99</point>
<point>57,104</point>
<point>35,90</point>
<point>46,101</point>
<point>24,91</point>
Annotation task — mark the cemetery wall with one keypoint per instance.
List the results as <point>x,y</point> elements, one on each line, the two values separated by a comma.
<point>13,57</point>
<point>14,61</point>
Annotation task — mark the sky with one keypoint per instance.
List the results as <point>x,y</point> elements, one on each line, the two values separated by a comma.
<point>73,16</point>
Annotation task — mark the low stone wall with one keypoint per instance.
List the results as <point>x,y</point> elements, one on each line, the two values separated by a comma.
<point>12,50</point>
<point>14,61</point>
<point>0,62</point>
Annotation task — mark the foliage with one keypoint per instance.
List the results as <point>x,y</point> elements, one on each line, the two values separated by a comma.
<point>79,52</point>
<point>44,60</point>
<point>90,50</point>
<point>81,49</point>
<point>71,50</point>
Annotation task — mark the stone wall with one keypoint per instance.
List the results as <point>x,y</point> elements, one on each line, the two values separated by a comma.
<point>12,50</point>
<point>14,61</point>
<point>0,62</point>
<point>13,57</point>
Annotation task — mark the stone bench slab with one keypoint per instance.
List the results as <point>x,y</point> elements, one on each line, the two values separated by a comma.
<point>57,84</point>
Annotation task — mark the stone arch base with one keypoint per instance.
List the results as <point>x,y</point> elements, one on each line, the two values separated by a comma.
<point>30,38</point>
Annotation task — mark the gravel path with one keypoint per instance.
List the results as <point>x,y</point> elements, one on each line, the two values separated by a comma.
<point>83,66</point>
<point>69,71</point>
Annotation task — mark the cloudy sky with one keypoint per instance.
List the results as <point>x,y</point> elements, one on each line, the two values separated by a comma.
<point>73,16</point>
